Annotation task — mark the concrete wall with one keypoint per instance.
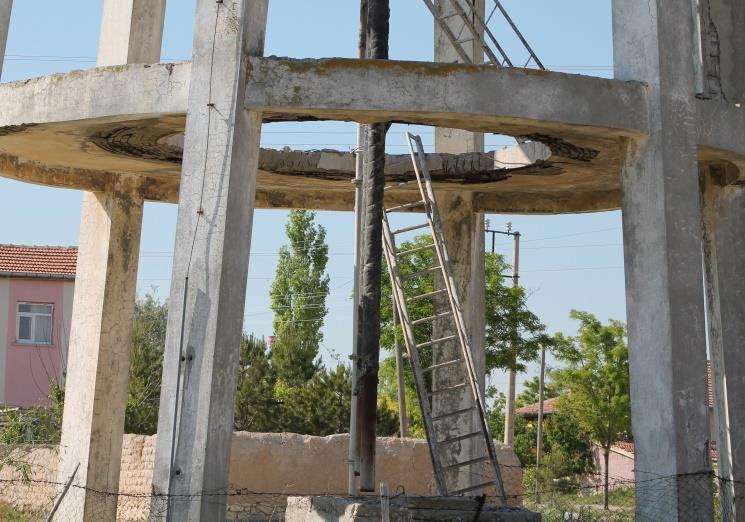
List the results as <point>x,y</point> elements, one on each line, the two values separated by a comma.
<point>620,465</point>
<point>29,369</point>
<point>266,468</point>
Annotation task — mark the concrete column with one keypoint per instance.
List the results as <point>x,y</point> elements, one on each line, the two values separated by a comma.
<point>210,267</point>
<point>653,43</point>
<point>131,31</point>
<point>722,47</point>
<point>100,347</point>
<point>101,334</point>
<point>724,259</point>
<point>5,7</point>
<point>464,234</point>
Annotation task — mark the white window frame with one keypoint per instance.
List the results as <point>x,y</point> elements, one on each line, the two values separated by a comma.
<point>33,316</point>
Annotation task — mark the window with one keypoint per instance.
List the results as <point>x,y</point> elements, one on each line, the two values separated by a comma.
<point>34,323</point>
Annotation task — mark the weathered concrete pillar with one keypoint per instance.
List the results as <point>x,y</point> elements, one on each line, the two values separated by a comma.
<point>722,47</point>
<point>464,234</point>
<point>653,43</point>
<point>5,8</point>
<point>100,346</point>
<point>131,31</point>
<point>724,258</point>
<point>210,266</point>
<point>103,310</point>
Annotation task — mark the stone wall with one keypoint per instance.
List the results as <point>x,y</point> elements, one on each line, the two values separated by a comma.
<point>265,469</point>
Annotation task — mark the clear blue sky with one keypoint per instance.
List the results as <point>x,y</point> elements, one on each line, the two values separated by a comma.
<point>569,261</point>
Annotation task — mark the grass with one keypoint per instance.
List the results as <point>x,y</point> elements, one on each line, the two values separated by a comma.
<point>586,508</point>
<point>8,514</point>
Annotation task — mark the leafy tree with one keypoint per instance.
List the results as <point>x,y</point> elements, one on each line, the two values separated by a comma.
<point>298,298</point>
<point>256,408</point>
<point>529,394</point>
<point>597,377</point>
<point>146,366</point>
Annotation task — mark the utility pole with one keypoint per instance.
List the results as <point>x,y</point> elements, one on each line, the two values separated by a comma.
<point>354,442</point>
<point>509,421</point>
<point>368,341</point>
<point>509,416</point>
<point>403,420</point>
<point>539,441</point>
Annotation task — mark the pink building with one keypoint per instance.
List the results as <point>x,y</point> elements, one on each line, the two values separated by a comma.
<point>36,292</point>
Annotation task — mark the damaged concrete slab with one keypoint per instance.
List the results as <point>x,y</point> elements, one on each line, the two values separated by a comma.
<point>401,508</point>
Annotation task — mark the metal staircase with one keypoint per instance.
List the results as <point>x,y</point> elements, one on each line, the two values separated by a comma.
<point>462,24</point>
<point>446,384</point>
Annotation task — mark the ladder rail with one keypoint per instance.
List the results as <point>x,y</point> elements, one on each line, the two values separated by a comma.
<point>448,32</point>
<point>425,184</point>
<point>477,37</point>
<point>410,342</point>
<point>519,34</point>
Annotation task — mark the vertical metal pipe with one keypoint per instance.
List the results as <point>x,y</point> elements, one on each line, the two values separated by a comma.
<point>353,455</point>
<point>403,420</point>
<point>539,441</point>
<point>509,425</point>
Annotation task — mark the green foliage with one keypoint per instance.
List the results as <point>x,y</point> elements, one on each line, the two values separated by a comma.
<point>9,514</point>
<point>255,404</point>
<point>514,334</point>
<point>298,298</point>
<point>529,394</point>
<point>266,403</point>
<point>146,366</point>
<point>597,377</point>
<point>40,424</point>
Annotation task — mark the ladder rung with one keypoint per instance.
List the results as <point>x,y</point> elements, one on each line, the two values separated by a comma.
<point>407,205</point>
<point>415,250</point>
<point>436,341</point>
<point>452,414</point>
<point>467,463</point>
<point>409,229</point>
<point>448,389</point>
<point>426,296</point>
<point>422,272</point>
<point>431,318</point>
<point>447,17</point>
<point>399,185</point>
<point>472,488</point>
<point>461,437</point>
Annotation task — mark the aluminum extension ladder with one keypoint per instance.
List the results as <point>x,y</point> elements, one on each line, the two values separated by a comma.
<point>467,405</point>
<point>476,30</point>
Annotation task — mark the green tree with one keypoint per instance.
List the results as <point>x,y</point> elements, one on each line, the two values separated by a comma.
<point>597,377</point>
<point>256,408</point>
<point>298,298</point>
<point>146,366</point>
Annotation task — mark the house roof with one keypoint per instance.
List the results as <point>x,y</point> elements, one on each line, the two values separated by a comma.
<point>38,261</point>
<point>628,447</point>
<point>531,410</point>
<point>549,405</point>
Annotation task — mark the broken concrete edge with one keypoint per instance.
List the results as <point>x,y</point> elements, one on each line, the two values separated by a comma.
<point>368,509</point>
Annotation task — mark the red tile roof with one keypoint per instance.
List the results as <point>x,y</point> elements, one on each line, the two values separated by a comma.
<point>38,261</point>
<point>628,447</point>
<point>531,410</point>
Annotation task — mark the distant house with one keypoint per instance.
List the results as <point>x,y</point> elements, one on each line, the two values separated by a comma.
<point>621,461</point>
<point>36,294</point>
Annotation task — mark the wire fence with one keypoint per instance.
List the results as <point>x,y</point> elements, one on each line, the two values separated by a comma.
<point>29,498</point>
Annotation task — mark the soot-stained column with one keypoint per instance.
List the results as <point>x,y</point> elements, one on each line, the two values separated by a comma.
<point>372,251</point>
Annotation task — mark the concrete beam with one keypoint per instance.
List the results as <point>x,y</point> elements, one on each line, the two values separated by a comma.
<point>131,31</point>
<point>509,101</point>
<point>724,249</point>
<point>653,42</point>
<point>210,265</point>
<point>100,347</point>
<point>5,8</point>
